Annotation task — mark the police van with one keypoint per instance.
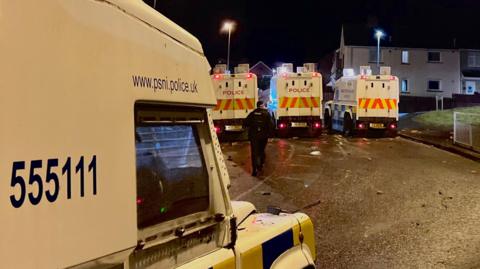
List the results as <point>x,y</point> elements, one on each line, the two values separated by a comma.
<point>237,95</point>
<point>297,100</point>
<point>364,103</point>
<point>109,156</point>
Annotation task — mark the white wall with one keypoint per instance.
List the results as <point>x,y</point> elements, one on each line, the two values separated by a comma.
<point>417,72</point>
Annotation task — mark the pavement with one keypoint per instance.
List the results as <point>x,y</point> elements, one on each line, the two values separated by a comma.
<point>375,203</point>
<point>431,135</point>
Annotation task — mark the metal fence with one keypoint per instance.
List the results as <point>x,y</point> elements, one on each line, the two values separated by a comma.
<point>466,130</point>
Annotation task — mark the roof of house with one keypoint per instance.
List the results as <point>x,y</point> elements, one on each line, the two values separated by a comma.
<point>261,67</point>
<point>404,37</point>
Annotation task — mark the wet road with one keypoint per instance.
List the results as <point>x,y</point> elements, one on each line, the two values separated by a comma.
<point>375,203</point>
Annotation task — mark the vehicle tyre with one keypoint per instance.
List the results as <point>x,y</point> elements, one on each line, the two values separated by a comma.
<point>347,125</point>
<point>282,133</point>
<point>392,133</point>
<point>313,132</point>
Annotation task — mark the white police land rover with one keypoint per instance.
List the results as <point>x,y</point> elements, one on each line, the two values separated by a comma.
<point>109,157</point>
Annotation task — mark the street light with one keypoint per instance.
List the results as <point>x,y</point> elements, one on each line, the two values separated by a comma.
<point>378,34</point>
<point>228,27</point>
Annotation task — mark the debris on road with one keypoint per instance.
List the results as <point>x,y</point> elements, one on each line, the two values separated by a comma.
<point>443,201</point>
<point>315,153</point>
<point>379,192</point>
<point>369,158</point>
<point>229,158</point>
<point>266,193</point>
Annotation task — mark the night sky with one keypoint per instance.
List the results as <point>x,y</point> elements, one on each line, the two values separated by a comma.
<point>306,31</point>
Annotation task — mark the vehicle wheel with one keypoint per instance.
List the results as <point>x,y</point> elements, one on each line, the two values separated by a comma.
<point>313,132</point>
<point>327,121</point>
<point>392,133</point>
<point>282,134</point>
<point>347,125</point>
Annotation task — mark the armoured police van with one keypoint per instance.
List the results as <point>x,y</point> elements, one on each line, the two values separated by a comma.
<point>364,103</point>
<point>297,100</point>
<point>109,158</point>
<point>237,95</point>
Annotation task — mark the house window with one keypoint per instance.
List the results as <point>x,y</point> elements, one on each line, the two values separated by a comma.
<point>372,55</point>
<point>474,60</point>
<point>434,85</point>
<point>405,59</point>
<point>405,85</point>
<point>470,87</point>
<point>433,56</point>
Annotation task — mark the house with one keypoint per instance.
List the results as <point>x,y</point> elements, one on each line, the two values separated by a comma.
<point>264,73</point>
<point>470,71</point>
<point>426,68</point>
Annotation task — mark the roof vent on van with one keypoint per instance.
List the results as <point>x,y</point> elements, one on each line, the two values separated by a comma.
<point>365,70</point>
<point>242,68</point>
<point>309,67</point>
<point>220,69</point>
<point>348,72</point>
<point>288,67</point>
<point>385,70</point>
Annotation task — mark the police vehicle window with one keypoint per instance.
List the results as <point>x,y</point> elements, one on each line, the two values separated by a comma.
<point>172,178</point>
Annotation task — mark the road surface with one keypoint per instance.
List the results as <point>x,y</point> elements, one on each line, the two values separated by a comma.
<point>375,203</point>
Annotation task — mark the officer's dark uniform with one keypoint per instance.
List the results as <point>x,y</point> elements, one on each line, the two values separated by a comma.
<point>260,126</point>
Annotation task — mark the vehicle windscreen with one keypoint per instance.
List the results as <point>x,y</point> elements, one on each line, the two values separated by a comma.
<point>172,179</point>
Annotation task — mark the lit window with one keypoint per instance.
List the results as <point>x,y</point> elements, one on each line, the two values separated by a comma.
<point>434,56</point>
<point>405,59</point>
<point>473,59</point>
<point>405,85</point>
<point>434,85</point>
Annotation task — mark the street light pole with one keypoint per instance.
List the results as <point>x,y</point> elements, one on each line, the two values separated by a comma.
<point>228,28</point>
<point>228,52</point>
<point>379,34</point>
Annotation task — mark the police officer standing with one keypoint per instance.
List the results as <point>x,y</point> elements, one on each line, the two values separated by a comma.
<point>260,126</point>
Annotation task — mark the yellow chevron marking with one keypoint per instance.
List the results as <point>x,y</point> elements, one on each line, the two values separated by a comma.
<point>362,102</point>
<point>384,103</point>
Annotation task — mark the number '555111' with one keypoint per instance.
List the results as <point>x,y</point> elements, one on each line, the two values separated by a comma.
<point>49,184</point>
